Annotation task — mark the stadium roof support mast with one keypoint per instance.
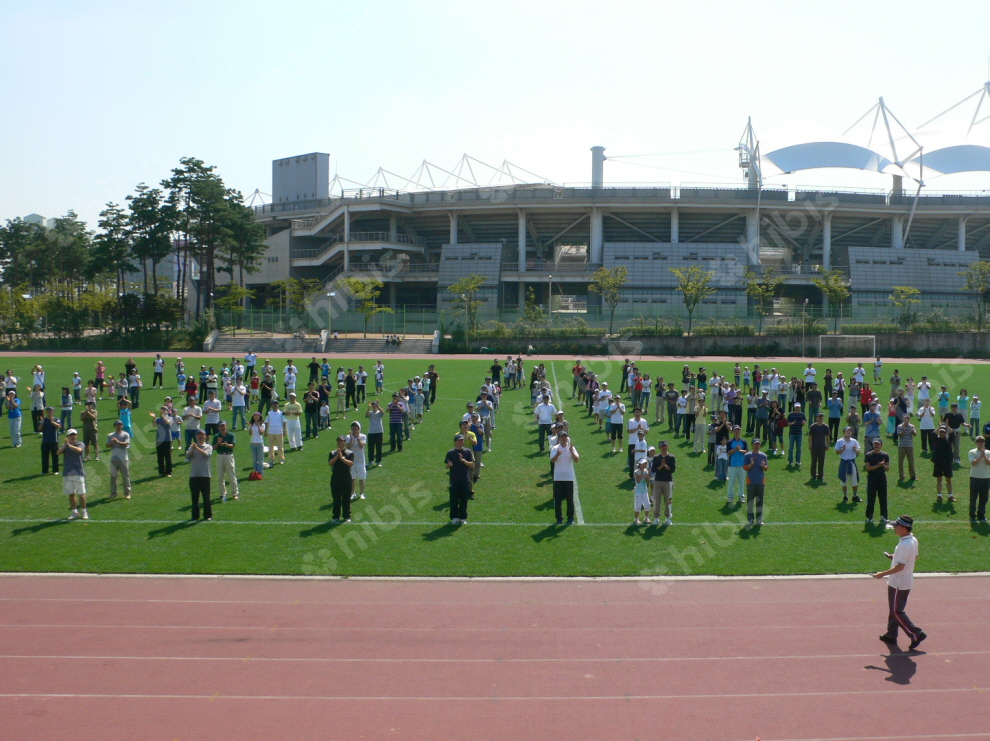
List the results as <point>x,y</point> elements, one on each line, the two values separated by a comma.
<point>749,160</point>
<point>881,111</point>
<point>982,94</point>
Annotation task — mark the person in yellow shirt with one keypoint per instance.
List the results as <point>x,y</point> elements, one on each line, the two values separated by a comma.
<point>293,422</point>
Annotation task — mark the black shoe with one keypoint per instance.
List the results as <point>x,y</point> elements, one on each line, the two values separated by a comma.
<point>914,644</point>
<point>560,520</point>
<point>857,499</point>
<point>845,500</point>
<point>570,521</point>
<point>888,639</point>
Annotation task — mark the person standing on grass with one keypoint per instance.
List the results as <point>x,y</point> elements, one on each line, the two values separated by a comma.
<point>66,409</point>
<point>900,580</point>
<point>663,467</point>
<point>362,385</point>
<point>238,402</point>
<point>942,464</point>
<point>163,441</point>
<point>563,456</point>
<point>293,422</point>
<point>877,463</point>
<point>834,414</point>
<point>91,440</point>
<point>905,447</point>
<point>376,432</point>
<point>955,422</point>
<point>341,461</point>
<point>199,455</point>
<point>74,475</point>
<point>871,423</point>
<point>266,393</point>
<point>311,408</point>
<point>755,464</point>
<point>118,442</point>
<point>379,372</point>
<point>979,480</point>
<point>50,427</point>
<point>314,370</point>
<point>737,450</point>
<point>211,410</point>
<point>395,416</point>
<point>974,415</point>
<point>223,445</point>
<point>544,414</point>
<point>795,425</point>
<point>847,448</point>
<point>460,465</point>
<point>357,444</point>
<point>256,428</point>
<point>641,491</point>
<point>350,387</point>
<point>819,439</point>
<point>275,426</point>
<point>633,426</point>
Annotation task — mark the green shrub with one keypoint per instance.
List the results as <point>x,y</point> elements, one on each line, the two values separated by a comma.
<point>881,326</point>
<point>812,326</point>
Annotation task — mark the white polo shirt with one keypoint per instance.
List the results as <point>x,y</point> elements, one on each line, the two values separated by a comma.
<point>809,375</point>
<point>545,413</point>
<point>847,450</point>
<point>563,467</point>
<point>633,425</point>
<point>859,374</point>
<point>981,471</point>
<point>906,553</point>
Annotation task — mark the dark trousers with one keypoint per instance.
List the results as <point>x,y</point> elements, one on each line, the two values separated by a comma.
<point>36,416</point>
<point>395,436</point>
<point>350,398</point>
<point>563,491</point>
<point>360,394</point>
<point>312,424</point>
<point>164,451</point>
<point>199,486</point>
<point>750,421</point>
<point>671,416</point>
<point>928,438</point>
<point>876,488</point>
<point>978,490</point>
<point>630,454</point>
<point>754,502</point>
<point>264,406</point>
<point>833,427</point>
<point>687,422</point>
<point>818,462</point>
<point>340,491</point>
<point>459,493</point>
<point>896,617</point>
<point>375,447</point>
<point>433,392</point>
<point>202,393</point>
<point>589,400</point>
<point>157,379</point>
<point>49,449</point>
<point>544,431</point>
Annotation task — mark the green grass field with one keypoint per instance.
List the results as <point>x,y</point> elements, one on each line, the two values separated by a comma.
<point>281,525</point>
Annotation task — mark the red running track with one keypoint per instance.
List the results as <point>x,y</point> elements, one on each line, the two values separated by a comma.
<point>213,658</point>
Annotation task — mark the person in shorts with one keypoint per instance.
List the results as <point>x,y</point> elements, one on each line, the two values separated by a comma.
<point>74,475</point>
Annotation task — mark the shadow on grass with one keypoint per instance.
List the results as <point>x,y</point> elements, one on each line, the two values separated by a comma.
<point>846,507</point>
<point>24,478</point>
<point>444,531</point>
<point>875,530</point>
<point>750,532</point>
<point>146,479</point>
<point>980,528</point>
<point>944,508</point>
<point>716,484</point>
<point>814,483</point>
<point>645,532</point>
<point>323,527</point>
<point>906,484</point>
<point>172,529</point>
<point>728,509</point>
<point>626,484</point>
<point>32,529</point>
<point>549,533</point>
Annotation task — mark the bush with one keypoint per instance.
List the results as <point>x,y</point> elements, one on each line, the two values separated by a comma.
<point>725,329</point>
<point>812,326</point>
<point>881,326</point>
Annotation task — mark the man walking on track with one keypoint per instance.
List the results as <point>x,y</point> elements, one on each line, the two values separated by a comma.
<point>900,579</point>
<point>563,456</point>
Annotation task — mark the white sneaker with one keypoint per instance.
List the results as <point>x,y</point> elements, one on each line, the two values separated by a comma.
<point>74,515</point>
<point>223,499</point>
<point>353,497</point>
<point>668,521</point>
<point>85,514</point>
<point>455,521</point>
<point>362,496</point>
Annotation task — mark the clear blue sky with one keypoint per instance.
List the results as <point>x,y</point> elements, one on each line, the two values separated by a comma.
<point>99,96</point>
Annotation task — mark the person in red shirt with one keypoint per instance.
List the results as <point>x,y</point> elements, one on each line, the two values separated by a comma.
<point>865,397</point>
<point>576,372</point>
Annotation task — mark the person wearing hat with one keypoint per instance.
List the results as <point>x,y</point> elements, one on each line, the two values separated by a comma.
<point>877,463</point>
<point>74,474</point>
<point>847,448</point>
<point>900,580</point>
<point>979,480</point>
<point>756,464</point>
<point>663,467</point>
<point>942,464</point>
<point>795,425</point>
<point>118,442</point>
<point>460,464</point>
<point>564,455</point>
<point>905,446</point>
<point>641,492</point>
<point>737,449</point>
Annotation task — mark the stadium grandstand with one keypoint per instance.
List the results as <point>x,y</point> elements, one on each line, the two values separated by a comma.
<point>422,233</point>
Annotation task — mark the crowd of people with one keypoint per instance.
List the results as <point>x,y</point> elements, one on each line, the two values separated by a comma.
<point>200,423</point>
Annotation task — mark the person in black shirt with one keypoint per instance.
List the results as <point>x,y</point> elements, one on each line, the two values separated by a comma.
<point>663,467</point>
<point>671,396</point>
<point>496,371</point>
<point>265,389</point>
<point>314,370</point>
<point>460,465</point>
<point>818,443</point>
<point>955,422</point>
<point>312,409</point>
<point>942,464</point>
<point>340,462</point>
<point>625,376</point>
<point>795,423</point>
<point>877,464</point>
<point>350,390</point>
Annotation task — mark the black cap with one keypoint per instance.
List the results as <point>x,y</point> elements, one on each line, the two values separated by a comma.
<point>905,521</point>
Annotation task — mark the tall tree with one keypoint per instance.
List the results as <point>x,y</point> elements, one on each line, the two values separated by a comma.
<point>366,292</point>
<point>763,290</point>
<point>151,225</point>
<point>693,283</point>
<point>904,298</point>
<point>608,283</point>
<point>466,289</point>
<point>113,246</point>
<point>834,287</point>
<point>976,280</point>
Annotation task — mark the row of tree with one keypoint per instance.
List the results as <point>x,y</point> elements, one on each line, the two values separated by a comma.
<point>694,284</point>
<point>191,219</point>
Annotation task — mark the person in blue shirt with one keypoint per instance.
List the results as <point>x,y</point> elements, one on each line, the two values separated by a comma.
<point>12,405</point>
<point>795,423</point>
<point>943,402</point>
<point>755,465</point>
<point>834,414</point>
<point>871,425</point>
<point>737,476</point>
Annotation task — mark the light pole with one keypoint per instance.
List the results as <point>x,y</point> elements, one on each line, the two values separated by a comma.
<point>804,321</point>
<point>330,296</point>
<point>467,323</point>
<point>549,298</point>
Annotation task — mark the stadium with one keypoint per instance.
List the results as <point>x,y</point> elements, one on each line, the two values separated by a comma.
<point>530,237</point>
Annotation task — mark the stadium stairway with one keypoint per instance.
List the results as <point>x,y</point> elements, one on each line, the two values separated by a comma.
<point>237,346</point>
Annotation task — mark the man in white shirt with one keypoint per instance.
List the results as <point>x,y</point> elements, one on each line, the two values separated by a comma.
<point>847,448</point>
<point>979,480</point>
<point>544,413</point>
<point>877,370</point>
<point>634,425</point>
<point>924,389</point>
<point>238,401</point>
<point>563,456</point>
<point>211,409</point>
<point>900,579</point>
<point>159,372</point>
<point>810,373</point>
<point>859,373</point>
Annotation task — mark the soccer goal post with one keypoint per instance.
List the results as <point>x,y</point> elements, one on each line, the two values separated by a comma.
<point>847,346</point>
<point>621,349</point>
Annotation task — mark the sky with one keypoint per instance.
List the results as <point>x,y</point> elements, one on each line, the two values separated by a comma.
<point>96,97</point>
